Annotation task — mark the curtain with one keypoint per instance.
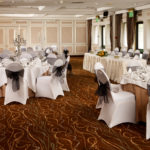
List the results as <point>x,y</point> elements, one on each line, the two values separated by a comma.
<point>131,28</point>
<point>111,32</point>
<point>89,34</point>
<point>118,20</point>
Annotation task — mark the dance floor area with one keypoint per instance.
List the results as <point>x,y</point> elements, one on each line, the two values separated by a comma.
<point>67,123</point>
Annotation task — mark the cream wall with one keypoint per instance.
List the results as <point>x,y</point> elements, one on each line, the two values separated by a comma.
<point>71,34</point>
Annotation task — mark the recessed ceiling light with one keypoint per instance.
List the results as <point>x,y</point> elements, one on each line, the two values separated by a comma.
<point>61,1</point>
<point>103,8</point>
<point>41,7</point>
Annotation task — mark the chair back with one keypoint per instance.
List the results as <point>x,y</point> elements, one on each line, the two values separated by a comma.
<point>131,52</point>
<point>145,55</point>
<point>148,87</point>
<point>104,89</point>
<point>137,52</point>
<point>14,71</point>
<point>124,51</point>
<point>58,68</point>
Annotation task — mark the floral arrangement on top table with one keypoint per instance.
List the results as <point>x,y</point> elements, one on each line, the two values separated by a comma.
<point>102,53</point>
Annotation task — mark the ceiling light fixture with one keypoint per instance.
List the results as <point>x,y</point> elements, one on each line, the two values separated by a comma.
<point>41,8</point>
<point>121,12</point>
<point>61,1</point>
<point>77,16</point>
<point>18,15</point>
<point>142,7</point>
<point>103,8</point>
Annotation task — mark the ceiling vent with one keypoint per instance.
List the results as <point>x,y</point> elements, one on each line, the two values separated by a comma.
<point>77,2</point>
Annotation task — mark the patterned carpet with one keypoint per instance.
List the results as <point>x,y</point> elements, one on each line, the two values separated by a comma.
<point>68,123</point>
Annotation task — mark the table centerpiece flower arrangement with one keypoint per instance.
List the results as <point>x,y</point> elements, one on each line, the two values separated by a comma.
<point>102,53</point>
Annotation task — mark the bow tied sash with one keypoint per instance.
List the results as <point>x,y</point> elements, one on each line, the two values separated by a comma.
<point>103,91</point>
<point>15,78</point>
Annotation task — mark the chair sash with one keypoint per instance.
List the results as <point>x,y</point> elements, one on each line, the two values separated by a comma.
<point>148,87</point>
<point>103,91</point>
<point>66,53</point>
<point>51,61</point>
<point>15,78</point>
<point>58,71</point>
<point>145,56</point>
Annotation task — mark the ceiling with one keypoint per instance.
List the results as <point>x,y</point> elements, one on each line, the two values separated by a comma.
<point>77,8</point>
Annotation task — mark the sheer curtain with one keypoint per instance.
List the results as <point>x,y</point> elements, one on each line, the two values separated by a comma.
<point>124,35</point>
<point>107,37</point>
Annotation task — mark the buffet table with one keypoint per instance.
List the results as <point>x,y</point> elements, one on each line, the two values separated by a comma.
<point>114,67</point>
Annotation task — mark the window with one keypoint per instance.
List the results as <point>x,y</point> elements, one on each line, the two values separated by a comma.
<point>125,35</point>
<point>96,35</point>
<point>139,36</point>
<point>103,37</point>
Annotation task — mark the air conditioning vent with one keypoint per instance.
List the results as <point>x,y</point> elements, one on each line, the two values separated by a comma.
<point>77,2</point>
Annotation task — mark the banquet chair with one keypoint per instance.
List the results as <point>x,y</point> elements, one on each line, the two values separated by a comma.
<point>51,58</point>
<point>50,86</point>
<point>148,113</point>
<point>137,52</point>
<point>118,107</point>
<point>63,79</point>
<point>124,51</point>
<point>29,49</point>
<point>116,50</point>
<point>26,55</point>
<point>145,54</point>
<point>16,89</point>
<point>131,52</point>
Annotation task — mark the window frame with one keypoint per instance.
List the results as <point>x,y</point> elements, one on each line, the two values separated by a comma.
<point>137,35</point>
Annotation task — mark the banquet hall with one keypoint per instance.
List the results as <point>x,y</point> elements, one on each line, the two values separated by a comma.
<point>74,75</point>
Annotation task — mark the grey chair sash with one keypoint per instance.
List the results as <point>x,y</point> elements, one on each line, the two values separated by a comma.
<point>103,91</point>
<point>133,68</point>
<point>59,71</point>
<point>148,87</point>
<point>130,54</point>
<point>15,78</point>
<point>145,56</point>
<point>51,61</point>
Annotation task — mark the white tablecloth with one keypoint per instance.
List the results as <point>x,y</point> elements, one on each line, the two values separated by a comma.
<point>139,79</point>
<point>114,67</point>
<point>30,75</point>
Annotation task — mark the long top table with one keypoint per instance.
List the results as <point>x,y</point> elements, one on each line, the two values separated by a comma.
<point>114,67</point>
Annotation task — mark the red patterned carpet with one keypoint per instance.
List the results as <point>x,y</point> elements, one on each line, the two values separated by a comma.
<point>68,123</point>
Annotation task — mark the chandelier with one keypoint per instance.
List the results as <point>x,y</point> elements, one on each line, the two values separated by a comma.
<point>18,42</point>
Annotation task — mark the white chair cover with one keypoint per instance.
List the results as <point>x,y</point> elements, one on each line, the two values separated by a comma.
<point>51,58</point>
<point>29,49</point>
<point>145,55</point>
<point>50,86</point>
<point>26,55</point>
<point>131,52</point>
<point>124,51</point>
<point>137,52</point>
<point>148,113</point>
<point>116,50</point>
<point>117,107</point>
<point>16,89</point>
